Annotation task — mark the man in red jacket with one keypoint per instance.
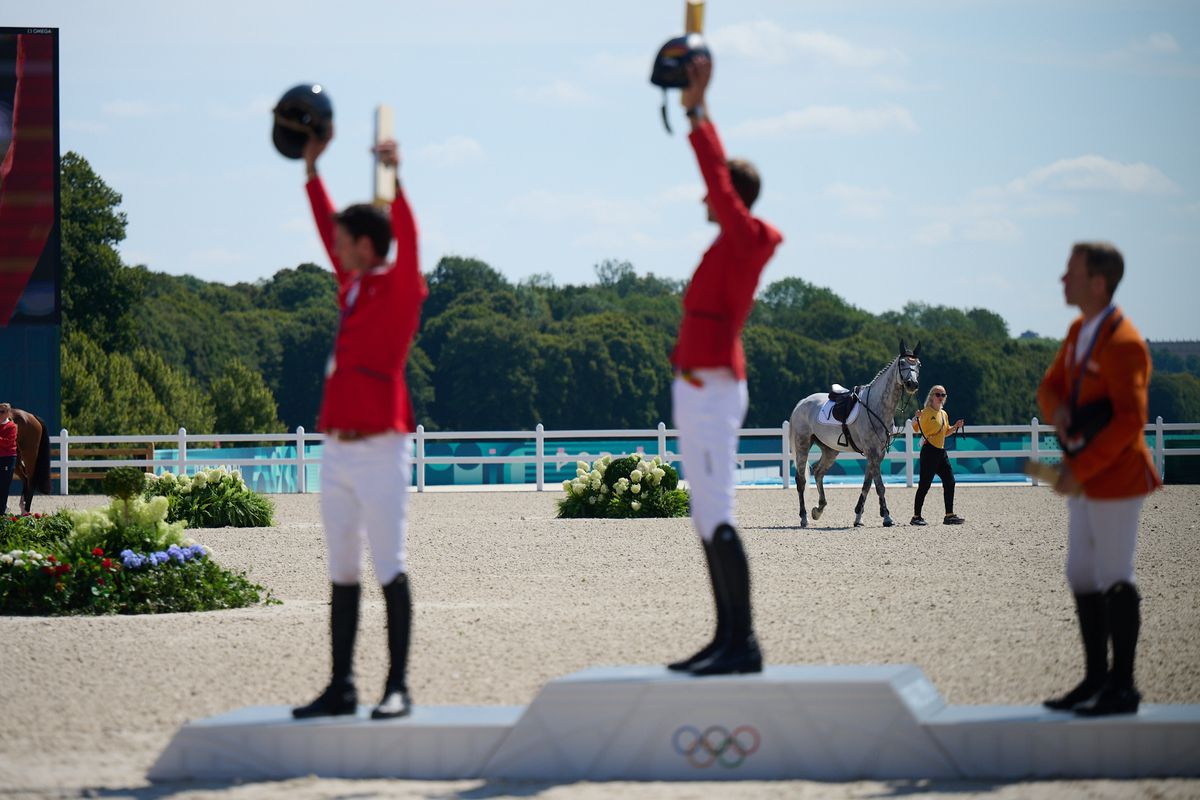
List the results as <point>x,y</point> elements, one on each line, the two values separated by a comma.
<point>709,394</point>
<point>366,416</point>
<point>1096,393</point>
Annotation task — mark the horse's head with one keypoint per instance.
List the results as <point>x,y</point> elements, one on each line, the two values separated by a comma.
<point>909,367</point>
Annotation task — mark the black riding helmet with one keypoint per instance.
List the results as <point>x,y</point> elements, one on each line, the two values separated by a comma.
<point>304,111</point>
<point>670,65</point>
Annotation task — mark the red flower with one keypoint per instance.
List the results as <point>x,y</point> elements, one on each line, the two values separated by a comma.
<point>60,569</point>
<point>48,570</point>
<point>100,581</point>
<point>51,559</point>
<point>97,552</point>
<point>106,563</point>
<point>37,516</point>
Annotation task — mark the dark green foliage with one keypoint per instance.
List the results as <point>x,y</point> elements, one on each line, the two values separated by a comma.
<point>33,531</point>
<point>124,482</point>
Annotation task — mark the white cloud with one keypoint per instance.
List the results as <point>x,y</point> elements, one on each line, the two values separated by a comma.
<point>546,206</point>
<point>455,150</point>
<point>215,256</point>
<point>127,109</point>
<point>559,92</point>
<point>831,119</point>
<point>859,201</point>
<point>992,230</point>
<point>768,42</point>
<point>1155,44</point>
<point>619,66</point>
<point>1095,173</point>
<point>934,234</point>
<point>84,126</point>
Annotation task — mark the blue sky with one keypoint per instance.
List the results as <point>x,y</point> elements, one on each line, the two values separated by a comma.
<point>946,152</point>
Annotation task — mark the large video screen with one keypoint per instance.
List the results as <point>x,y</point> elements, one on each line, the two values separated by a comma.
<point>30,247</point>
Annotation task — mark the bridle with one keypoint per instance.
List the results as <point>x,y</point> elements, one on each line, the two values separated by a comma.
<point>907,368</point>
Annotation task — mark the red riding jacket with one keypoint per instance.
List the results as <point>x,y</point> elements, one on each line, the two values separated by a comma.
<point>365,389</point>
<point>719,298</point>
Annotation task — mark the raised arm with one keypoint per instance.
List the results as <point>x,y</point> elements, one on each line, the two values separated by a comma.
<point>404,224</point>
<point>322,207</point>
<point>727,205</point>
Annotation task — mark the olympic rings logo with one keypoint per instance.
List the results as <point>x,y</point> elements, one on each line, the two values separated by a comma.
<point>716,745</point>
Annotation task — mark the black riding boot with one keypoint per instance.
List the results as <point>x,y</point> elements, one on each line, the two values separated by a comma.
<point>339,697</point>
<point>722,610</point>
<point>1093,625</point>
<point>739,650</point>
<point>1119,695</point>
<point>395,702</point>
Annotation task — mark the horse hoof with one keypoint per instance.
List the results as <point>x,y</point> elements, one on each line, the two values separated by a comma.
<point>803,523</point>
<point>816,514</point>
<point>887,522</point>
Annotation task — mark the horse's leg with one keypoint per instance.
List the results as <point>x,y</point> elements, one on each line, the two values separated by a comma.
<point>828,456</point>
<point>862,497</point>
<point>877,468</point>
<point>26,493</point>
<point>801,447</point>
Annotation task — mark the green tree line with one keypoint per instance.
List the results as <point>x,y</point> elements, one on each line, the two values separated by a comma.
<point>147,352</point>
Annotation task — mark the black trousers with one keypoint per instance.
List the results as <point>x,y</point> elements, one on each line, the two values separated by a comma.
<point>7,465</point>
<point>934,461</point>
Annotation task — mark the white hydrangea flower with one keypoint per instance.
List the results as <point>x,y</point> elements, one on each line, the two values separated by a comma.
<point>643,466</point>
<point>636,488</point>
<point>583,465</point>
<point>635,505</point>
<point>566,486</point>
<point>18,563</point>
<point>6,559</point>
<point>635,476</point>
<point>603,488</point>
<point>592,499</point>
<point>579,473</point>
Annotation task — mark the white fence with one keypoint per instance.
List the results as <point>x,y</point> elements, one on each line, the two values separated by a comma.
<point>300,439</point>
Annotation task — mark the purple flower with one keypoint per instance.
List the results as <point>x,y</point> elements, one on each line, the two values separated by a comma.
<point>197,551</point>
<point>158,558</point>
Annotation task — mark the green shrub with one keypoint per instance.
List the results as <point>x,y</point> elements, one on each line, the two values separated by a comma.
<point>212,499</point>
<point>124,482</point>
<point>624,487</point>
<point>34,531</point>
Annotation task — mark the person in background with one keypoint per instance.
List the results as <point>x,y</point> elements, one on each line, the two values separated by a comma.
<point>933,424</point>
<point>8,453</point>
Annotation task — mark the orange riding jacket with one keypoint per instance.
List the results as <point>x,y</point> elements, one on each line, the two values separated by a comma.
<point>1116,463</point>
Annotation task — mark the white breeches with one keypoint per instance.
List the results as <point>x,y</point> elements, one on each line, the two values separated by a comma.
<point>364,491</point>
<point>1101,539</point>
<point>708,419</point>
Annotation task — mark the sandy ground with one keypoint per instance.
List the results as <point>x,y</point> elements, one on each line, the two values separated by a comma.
<point>508,597</point>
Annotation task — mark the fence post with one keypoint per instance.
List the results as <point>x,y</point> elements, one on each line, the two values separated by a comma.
<point>785,461</point>
<point>540,450</point>
<point>1035,444</point>
<point>1160,453</point>
<point>907,453</point>
<point>420,458</point>
<point>181,452</point>
<point>662,441</point>
<point>301,476</point>
<point>63,455</point>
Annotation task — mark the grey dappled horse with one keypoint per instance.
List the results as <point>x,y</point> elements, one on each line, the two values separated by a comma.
<point>870,432</point>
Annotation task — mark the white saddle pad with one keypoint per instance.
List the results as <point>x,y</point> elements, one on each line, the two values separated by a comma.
<point>825,417</point>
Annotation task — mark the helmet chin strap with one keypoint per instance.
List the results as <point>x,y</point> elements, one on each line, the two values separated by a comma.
<point>666,120</point>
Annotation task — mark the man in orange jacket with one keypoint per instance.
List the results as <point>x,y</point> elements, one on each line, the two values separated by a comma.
<point>1096,393</point>
<point>709,395</point>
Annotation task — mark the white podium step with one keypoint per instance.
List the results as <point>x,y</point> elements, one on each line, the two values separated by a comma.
<point>264,742</point>
<point>645,723</point>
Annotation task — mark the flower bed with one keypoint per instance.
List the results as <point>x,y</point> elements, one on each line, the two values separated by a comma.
<point>211,498</point>
<point>624,487</point>
<point>124,558</point>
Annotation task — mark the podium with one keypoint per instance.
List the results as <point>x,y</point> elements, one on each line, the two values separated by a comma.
<point>835,723</point>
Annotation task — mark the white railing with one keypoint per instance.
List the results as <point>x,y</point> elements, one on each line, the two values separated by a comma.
<point>540,436</point>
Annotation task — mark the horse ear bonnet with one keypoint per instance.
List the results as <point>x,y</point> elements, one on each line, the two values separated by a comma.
<point>304,111</point>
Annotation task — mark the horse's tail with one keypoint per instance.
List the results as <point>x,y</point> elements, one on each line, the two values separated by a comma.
<point>41,472</point>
